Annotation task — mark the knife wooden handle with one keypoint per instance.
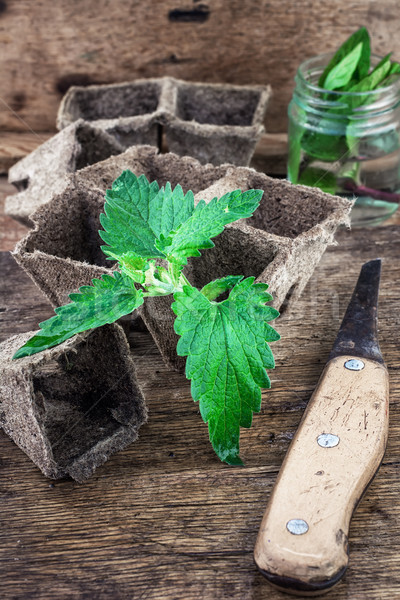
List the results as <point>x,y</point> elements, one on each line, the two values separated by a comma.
<point>302,544</point>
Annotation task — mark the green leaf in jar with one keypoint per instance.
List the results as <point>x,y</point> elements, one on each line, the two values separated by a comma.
<point>352,140</point>
<point>354,101</point>
<point>324,146</point>
<point>392,76</point>
<point>342,73</point>
<point>394,68</point>
<point>315,177</point>
<point>294,155</point>
<point>369,83</point>
<point>349,171</point>
<point>362,65</point>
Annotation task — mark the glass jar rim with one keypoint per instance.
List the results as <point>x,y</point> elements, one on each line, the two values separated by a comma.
<point>327,56</point>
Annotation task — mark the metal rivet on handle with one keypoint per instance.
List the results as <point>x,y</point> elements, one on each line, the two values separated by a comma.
<point>328,440</point>
<point>297,526</point>
<point>354,364</point>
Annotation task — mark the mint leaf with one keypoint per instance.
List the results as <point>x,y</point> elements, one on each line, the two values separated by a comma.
<point>215,288</point>
<point>108,299</point>
<point>369,83</point>
<point>227,350</point>
<point>352,139</point>
<point>294,157</point>
<point>342,73</point>
<point>138,213</point>
<point>363,65</point>
<point>394,68</point>
<point>354,101</point>
<point>169,209</point>
<point>125,222</point>
<point>206,222</point>
<point>363,62</point>
<point>315,177</point>
<point>324,146</point>
<point>392,76</point>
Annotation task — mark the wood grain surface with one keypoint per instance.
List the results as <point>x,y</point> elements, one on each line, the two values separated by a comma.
<point>164,519</point>
<point>15,145</point>
<point>10,231</point>
<point>47,46</point>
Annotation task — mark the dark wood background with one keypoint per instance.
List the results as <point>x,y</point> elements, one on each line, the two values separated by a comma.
<point>46,46</point>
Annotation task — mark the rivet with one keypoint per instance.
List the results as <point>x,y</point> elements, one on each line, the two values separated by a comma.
<point>297,526</point>
<point>354,364</point>
<point>328,440</point>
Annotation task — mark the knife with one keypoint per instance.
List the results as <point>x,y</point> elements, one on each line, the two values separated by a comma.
<point>302,545</point>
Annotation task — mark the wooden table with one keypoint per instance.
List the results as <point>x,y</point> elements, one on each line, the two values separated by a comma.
<point>164,519</point>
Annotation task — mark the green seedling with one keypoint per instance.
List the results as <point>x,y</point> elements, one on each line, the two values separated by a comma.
<point>151,232</point>
<point>345,82</point>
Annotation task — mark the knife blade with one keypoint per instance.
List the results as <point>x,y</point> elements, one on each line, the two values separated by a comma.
<point>302,545</point>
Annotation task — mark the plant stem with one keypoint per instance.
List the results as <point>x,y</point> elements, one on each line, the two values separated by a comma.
<point>362,190</point>
<point>175,272</point>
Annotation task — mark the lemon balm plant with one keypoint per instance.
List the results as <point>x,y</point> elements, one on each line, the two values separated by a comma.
<point>344,127</point>
<point>151,232</point>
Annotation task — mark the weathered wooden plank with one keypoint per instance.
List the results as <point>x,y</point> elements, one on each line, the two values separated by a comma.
<point>27,307</point>
<point>47,46</point>
<point>14,146</point>
<point>10,230</point>
<point>164,520</point>
<point>270,154</point>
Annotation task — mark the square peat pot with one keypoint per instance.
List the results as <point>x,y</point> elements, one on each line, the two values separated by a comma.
<point>279,245</point>
<point>128,111</point>
<point>71,407</point>
<point>214,123</point>
<point>62,251</point>
<point>44,172</point>
<point>217,123</point>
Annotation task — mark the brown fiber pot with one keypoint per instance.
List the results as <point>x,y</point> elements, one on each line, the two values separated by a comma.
<point>280,245</point>
<point>71,407</point>
<point>214,123</point>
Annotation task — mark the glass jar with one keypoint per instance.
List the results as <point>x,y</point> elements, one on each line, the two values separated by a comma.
<point>346,143</point>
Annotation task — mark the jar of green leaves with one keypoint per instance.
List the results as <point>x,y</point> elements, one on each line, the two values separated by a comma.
<point>344,128</point>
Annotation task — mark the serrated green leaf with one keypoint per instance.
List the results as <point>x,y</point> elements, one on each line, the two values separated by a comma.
<point>206,222</point>
<point>363,63</point>
<point>227,350</point>
<point>215,288</point>
<point>169,210</point>
<point>125,222</point>
<point>108,299</point>
<point>138,213</point>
